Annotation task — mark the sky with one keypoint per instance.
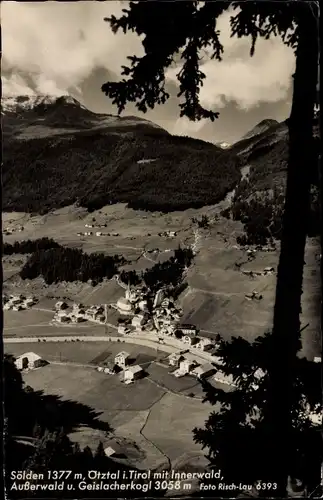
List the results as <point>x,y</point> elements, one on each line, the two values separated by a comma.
<point>60,47</point>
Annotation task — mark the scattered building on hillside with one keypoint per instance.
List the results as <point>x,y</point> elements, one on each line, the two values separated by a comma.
<point>187,365</point>
<point>29,302</point>
<point>15,300</point>
<point>133,373</point>
<point>123,330</point>
<point>221,377</point>
<point>317,359</point>
<point>269,270</point>
<point>204,371</point>
<point>61,305</point>
<point>253,296</point>
<point>204,344</point>
<point>77,308</point>
<point>122,358</point>
<point>98,233</point>
<point>77,319</point>
<point>111,368</point>
<point>29,360</point>
<point>191,341</point>
<point>63,318</point>
<point>17,307</point>
<point>259,373</point>
<point>175,358</point>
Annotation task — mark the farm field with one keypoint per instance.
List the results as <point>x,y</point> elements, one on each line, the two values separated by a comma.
<point>14,319</point>
<point>32,329</point>
<point>142,407</point>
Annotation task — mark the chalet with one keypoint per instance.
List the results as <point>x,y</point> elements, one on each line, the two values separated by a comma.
<point>188,329</point>
<point>269,270</point>
<point>29,360</point>
<point>29,302</point>
<point>111,368</point>
<point>60,305</point>
<point>204,344</point>
<point>175,358</point>
<point>191,341</point>
<point>15,300</point>
<point>17,307</point>
<point>259,374</point>
<point>223,378</point>
<point>133,373</point>
<point>122,358</point>
<point>218,360</point>
<point>63,318</point>
<point>187,365</point>
<point>204,371</point>
<point>138,321</point>
<point>77,319</point>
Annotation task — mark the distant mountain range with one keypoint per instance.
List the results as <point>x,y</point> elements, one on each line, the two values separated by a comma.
<point>56,152</point>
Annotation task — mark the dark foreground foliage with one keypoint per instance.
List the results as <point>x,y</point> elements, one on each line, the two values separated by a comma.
<point>238,437</point>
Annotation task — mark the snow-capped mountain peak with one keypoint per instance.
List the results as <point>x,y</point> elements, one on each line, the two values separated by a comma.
<point>224,145</point>
<point>14,104</point>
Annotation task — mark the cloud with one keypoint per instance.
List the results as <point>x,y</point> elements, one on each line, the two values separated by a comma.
<point>61,43</point>
<point>248,81</point>
<point>15,85</point>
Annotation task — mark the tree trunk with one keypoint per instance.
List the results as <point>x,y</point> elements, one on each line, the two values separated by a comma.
<point>286,324</point>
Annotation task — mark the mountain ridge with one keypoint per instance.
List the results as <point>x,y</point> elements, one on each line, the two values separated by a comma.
<point>61,153</point>
<point>58,153</point>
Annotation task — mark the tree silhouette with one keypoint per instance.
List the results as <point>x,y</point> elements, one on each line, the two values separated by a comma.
<point>238,436</point>
<point>187,28</point>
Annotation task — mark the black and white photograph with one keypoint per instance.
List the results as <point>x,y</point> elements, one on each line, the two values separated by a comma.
<point>161,249</point>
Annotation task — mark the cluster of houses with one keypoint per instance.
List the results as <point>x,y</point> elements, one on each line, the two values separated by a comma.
<point>79,313</point>
<point>163,318</point>
<point>18,302</point>
<point>267,271</point>
<point>10,230</point>
<point>165,314</point>
<point>97,233</point>
<point>184,363</point>
<point>121,363</point>
<point>168,234</point>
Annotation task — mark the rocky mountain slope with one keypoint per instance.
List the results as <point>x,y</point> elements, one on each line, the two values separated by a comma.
<point>260,128</point>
